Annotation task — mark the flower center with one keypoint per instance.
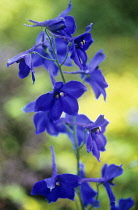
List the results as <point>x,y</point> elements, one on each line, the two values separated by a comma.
<point>96,130</point>
<point>57,184</point>
<point>58,95</point>
<point>83,42</point>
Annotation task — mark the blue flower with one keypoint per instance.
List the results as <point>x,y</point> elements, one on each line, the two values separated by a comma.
<point>108,175</point>
<point>43,121</point>
<point>58,186</point>
<point>87,192</point>
<point>96,141</point>
<point>79,45</point>
<point>62,99</point>
<point>109,172</point>
<point>61,25</point>
<point>123,204</point>
<point>25,62</point>
<point>93,75</point>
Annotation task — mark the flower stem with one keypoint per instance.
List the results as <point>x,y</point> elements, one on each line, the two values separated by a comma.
<point>56,58</point>
<point>77,153</point>
<point>34,52</point>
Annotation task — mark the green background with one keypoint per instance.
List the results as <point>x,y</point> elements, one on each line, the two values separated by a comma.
<point>25,157</point>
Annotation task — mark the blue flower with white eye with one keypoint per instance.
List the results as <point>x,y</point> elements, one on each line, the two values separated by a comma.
<point>94,132</point>
<point>79,45</point>
<point>63,98</point>
<point>63,24</point>
<point>58,186</point>
<point>96,141</point>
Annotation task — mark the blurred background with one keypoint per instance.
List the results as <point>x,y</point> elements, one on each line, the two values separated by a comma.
<point>25,157</point>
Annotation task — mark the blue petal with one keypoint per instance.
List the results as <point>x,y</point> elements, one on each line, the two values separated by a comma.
<point>75,58</point>
<point>24,69</point>
<point>89,143</point>
<point>125,204</point>
<point>40,188</point>
<point>89,27</point>
<point>111,171</point>
<point>40,122</point>
<point>82,57</point>
<point>56,25</point>
<point>97,82</point>
<point>100,141</point>
<point>66,11</point>
<point>70,25</point>
<point>56,110</point>
<point>29,107</point>
<point>100,122</point>
<point>110,193</point>
<point>95,151</point>
<point>69,105</point>
<point>87,195</point>
<point>74,88</point>
<point>58,86</point>
<point>96,60</point>
<point>70,179</point>
<point>44,102</point>
<point>16,58</point>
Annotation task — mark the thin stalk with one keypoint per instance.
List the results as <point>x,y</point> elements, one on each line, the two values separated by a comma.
<point>56,58</point>
<point>34,52</point>
<point>97,185</point>
<point>66,55</point>
<point>77,153</point>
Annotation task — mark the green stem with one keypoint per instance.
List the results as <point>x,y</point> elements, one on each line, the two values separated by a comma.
<point>56,58</point>
<point>77,153</point>
<point>66,55</point>
<point>34,52</point>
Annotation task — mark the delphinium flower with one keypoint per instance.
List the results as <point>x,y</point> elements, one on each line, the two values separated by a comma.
<point>109,172</point>
<point>58,186</point>
<point>87,193</point>
<point>43,121</point>
<point>78,47</point>
<point>123,204</point>
<point>94,133</point>
<point>25,62</point>
<point>63,98</point>
<point>62,25</point>
<point>96,141</point>
<point>91,74</point>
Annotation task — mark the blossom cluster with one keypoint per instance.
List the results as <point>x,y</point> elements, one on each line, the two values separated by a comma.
<point>57,111</point>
